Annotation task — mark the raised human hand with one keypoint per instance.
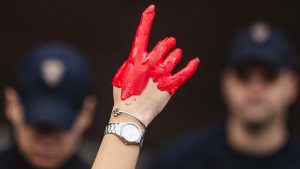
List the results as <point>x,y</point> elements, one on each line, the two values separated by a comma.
<point>134,74</point>
<point>142,87</point>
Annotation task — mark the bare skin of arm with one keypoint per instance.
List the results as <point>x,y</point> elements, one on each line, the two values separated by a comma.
<point>143,86</point>
<point>113,153</point>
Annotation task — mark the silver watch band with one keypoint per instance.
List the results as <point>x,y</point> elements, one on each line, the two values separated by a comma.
<point>114,128</point>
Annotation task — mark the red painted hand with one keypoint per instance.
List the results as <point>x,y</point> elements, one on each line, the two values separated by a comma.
<point>134,74</point>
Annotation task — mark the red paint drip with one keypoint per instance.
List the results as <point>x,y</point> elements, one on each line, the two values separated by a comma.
<point>133,76</point>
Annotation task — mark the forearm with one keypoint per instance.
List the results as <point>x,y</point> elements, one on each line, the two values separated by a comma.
<point>113,153</point>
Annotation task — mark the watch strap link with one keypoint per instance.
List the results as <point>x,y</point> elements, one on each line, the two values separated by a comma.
<point>111,128</point>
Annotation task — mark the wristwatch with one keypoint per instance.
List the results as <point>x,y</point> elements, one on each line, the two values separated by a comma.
<point>129,132</point>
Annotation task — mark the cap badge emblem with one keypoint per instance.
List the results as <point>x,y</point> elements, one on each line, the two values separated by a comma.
<point>260,32</point>
<point>52,72</point>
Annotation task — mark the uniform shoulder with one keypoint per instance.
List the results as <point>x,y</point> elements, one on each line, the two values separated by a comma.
<point>187,147</point>
<point>295,148</point>
<point>8,158</point>
<point>78,163</point>
<point>196,140</point>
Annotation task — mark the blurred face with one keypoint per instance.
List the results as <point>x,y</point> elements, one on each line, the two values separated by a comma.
<point>43,146</point>
<point>256,95</point>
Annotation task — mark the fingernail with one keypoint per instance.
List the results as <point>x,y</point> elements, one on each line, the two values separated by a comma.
<point>150,9</point>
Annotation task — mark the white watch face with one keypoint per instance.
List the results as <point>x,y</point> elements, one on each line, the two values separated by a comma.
<point>131,133</point>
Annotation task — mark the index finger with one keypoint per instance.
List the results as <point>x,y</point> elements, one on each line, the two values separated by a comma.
<point>141,38</point>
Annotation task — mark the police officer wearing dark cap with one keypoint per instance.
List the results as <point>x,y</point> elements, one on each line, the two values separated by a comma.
<point>259,84</point>
<point>49,107</point>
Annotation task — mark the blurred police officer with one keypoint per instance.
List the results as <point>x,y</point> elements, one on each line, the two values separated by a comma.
<point>48,107</point>
<point>259,84</point>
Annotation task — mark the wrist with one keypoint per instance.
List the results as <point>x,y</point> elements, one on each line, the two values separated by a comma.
<point>126,118</point>
<point>138,114</point>
<point>126,129</point>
